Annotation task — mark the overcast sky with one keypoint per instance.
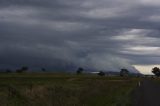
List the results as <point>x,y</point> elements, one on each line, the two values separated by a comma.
<point>66,34</point>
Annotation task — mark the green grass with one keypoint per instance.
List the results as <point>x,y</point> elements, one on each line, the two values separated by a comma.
<point>33,89</point>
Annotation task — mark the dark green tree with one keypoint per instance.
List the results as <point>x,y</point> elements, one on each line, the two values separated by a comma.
<point>24,68</point>
<point>8,70</point>
<point>19,71</point>
<point>124,73</point>
<point>43,69</point>
<point>101,73</point>
<point>80,70</point>
<point>156,71</point>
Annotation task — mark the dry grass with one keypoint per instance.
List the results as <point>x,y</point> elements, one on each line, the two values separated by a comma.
<point>65,90</point>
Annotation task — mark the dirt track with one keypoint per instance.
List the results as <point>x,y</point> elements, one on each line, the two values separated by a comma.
<point>147,94</point>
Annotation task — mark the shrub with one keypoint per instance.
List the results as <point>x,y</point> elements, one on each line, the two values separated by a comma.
<point>101,73</point>
<point>80,70</point>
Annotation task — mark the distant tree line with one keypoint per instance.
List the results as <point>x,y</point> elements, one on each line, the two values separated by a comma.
<point>122,73</point>
<point>21,70</point>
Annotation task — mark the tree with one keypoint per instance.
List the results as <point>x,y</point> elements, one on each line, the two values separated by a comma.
<point>101,73</point>
<point>80,70</point>
<point>43,69</point>
<point>24,68</point>
<point>8,70</point>
<point>19,71</point>
<point>124,72</point>
<point>156,71</point>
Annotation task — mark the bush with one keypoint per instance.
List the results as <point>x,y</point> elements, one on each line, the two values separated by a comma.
<point>80,70</point>
<point>19,71</point>
<point>101,73</point>
<point>124,72</point>
<point>8,71</point>
<point>23,69</point>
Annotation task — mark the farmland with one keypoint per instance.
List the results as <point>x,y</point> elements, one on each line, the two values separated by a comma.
<point>49,89</point>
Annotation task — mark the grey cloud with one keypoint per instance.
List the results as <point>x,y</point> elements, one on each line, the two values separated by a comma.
<point>64,35</point>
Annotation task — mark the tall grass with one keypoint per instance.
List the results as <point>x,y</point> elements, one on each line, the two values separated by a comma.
<point>65,90</point>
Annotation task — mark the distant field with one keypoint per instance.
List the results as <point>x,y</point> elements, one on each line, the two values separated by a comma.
<point>33,89</point>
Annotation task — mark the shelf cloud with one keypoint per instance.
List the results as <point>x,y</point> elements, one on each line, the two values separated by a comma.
<point>64,35</point>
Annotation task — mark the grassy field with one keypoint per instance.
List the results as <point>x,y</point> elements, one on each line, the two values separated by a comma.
<point>33,89</point>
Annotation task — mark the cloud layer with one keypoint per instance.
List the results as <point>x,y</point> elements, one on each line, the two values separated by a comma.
<point>60,34</point>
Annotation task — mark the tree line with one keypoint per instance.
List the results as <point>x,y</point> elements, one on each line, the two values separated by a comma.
<point>80,70</point>
<point>122,73</point>
<point>21,70</point>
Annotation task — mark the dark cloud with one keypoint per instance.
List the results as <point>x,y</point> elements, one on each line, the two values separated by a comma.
<point>64,35</point>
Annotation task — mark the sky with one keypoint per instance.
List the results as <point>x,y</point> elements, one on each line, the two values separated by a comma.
<point>63,35</point>
<point>146,69</point>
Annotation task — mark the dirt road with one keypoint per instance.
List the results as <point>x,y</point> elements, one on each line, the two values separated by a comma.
<point>147,94</point>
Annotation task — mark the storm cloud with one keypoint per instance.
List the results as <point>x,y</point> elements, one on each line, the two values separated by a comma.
<point>64,35</point>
